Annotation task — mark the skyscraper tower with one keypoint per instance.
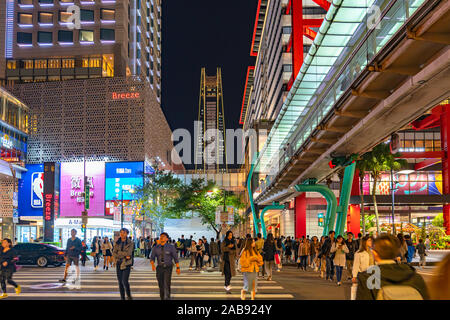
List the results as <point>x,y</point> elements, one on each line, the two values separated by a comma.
<point>210,152</point>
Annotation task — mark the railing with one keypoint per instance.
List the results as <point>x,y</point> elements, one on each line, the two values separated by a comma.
<point>346,69</point>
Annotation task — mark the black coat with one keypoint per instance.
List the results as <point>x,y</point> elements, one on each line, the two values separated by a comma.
<point>269,251</point>
<point>8,257</point>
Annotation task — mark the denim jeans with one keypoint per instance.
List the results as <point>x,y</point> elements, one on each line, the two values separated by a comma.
<point>249,279</point>
<point>303,262</point>
<point>215,260</point>
<point>330,268</point>
<point>339,270</point>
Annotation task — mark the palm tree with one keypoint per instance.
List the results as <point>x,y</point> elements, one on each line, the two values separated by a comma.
<point>361,165</point>
<point>379,160</point>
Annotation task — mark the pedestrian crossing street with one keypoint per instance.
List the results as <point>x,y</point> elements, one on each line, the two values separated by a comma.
<point>43,283</point>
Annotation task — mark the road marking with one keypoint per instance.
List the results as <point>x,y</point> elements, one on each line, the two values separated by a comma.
<point>135,280</point>
<point>156,287</point>
<point>60,295</point>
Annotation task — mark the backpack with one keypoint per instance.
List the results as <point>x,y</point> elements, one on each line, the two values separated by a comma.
<point>398,293</point>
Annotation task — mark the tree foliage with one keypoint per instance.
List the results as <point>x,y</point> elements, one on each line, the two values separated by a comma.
<point>377,161</point>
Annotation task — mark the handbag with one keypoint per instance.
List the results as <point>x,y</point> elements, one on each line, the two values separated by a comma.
<point>92,254</point>
<point>277,258</point>
<point>205,258</point>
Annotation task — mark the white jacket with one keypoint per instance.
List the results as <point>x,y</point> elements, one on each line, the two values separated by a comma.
<point>361,262</point>
<point>339,258</point>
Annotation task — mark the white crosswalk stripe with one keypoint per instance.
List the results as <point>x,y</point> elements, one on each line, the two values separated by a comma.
<point>39,283</point>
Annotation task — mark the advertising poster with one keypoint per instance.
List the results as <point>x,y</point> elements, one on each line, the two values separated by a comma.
<point>72,188</point>
<point>124,176</point>
<point>31,191</point>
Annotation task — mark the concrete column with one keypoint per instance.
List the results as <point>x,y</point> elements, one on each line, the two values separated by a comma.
<point>300,215</point>
<point>445,138</point>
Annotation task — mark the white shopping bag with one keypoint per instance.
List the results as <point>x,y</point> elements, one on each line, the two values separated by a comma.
<point>353,293</point>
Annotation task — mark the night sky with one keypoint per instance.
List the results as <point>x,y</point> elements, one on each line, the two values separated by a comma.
<point>204,33</point>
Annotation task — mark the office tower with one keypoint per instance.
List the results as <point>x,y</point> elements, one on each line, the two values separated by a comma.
<point>210,151</point>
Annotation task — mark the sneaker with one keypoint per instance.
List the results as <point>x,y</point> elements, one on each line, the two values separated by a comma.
<point>242,294</point>
<point>226,288</point>
<point>269,279</point>
<point>339,284</point>
<point>253,295</point>
<point>3,296</point>
<point>18,290</point>
<point>129,298</point>
<point>62,280</point>
<point>278,270</point>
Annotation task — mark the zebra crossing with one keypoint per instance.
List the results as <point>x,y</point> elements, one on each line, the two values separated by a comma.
<point>42,284</point>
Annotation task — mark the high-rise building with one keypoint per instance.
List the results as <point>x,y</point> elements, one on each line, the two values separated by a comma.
<point>53,40</point>
<point>210,151</point>
<point>90,71</point>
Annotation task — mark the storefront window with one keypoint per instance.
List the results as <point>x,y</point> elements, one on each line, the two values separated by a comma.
<point>26,233</point>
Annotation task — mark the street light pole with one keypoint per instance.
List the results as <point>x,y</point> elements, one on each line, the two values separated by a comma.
<point>121,213</point>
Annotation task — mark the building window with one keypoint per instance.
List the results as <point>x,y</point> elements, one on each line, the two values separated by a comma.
<point>28,64</point>
<point>45,17</point>
<point>64,16</point>
<point>11,64</point>
<point>44,37</point>
<point>40,64</point>
<point>107,34</point>
<point>87,15</point>
<point>68,63</point>
<point>26,2</point>
<point>107,14</point>
<point>86,35</point>
<point>54,63</point>
<point>92,62</point>
<point>287,30</point>
<point>25,18</point>
<point>46,1</point>
<point>287,68</point>
<point>108,65</point>
<point>66,1</point>
<point>65,36</point>
<point>24,37</point>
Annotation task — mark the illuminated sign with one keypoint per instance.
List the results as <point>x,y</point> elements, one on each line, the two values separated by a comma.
<point>125,95</point>
<point>37,189</point>
<point>7,142</point>
<point>51,199</point>
<point>48,207</point>
<point>123,176</point>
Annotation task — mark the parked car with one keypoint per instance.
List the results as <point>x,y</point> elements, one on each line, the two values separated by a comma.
<point>40,254</point>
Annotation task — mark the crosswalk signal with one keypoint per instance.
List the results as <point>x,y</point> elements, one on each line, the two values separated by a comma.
<point>83,228</point>
<point>320,219</point>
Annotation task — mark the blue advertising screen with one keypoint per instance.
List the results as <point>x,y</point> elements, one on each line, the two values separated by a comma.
<point>122,175</point>
<point>31,191</point>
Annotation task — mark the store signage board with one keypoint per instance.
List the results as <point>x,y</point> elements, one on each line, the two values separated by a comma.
<point>37,189</point>
<point>72,188</point>
<point>15,199</point>
<point>123,176</point>
<point>6,142</point>
<point>49,201</point>
<point>125,95</point>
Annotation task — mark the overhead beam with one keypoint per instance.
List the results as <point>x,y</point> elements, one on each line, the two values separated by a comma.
<point>352,114</point>
<point>373,94</point>
<point>324,141</point>
<point>436,37</point>
<point>403,70</point>
<point>333,129</point>
<point>316,150</point>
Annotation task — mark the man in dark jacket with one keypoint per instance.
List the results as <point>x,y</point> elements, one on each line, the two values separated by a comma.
<point>352,246</point>
<point>395,281</point>
<point>325,252</point>
<point>214,250</point>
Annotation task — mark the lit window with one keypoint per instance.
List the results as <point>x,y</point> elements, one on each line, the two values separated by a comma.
<point>11,64</point>
<point>107,14</point>
<point>25,38</point>
<point>54,63</point>
<point>28,64</point>
<point>40,64</point>
<point>68,63</point>
<point>25,18</point>
<point>45,17</point>
<point>86,36</point>
<point>65,16</point>
<point>44,37</point>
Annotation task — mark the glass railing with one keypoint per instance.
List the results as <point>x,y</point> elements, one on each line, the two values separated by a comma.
<point>350,64</point>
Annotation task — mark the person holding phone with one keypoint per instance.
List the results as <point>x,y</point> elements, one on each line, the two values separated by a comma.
<point>122,253</point>
<point>340,249</point>
<point>228,263</point>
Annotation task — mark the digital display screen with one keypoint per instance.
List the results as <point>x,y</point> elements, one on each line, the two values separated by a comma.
<point>124,176</point>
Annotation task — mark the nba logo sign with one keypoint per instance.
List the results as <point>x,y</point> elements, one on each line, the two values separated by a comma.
<point>37,190</point>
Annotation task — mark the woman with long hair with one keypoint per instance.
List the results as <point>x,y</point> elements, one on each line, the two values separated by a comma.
<point>322,258</point>
<point>403,249</point>
<point>228,261</point>
<point>7,267</point>
<point>269,250</point>
<point>340,249</point>
<point>363,258</point>
<point>303,252</point>
<point>192,254</point>
<point>250,261</point>
<point>314,251</point>
<point>107,253</point>
<point>95,252</point>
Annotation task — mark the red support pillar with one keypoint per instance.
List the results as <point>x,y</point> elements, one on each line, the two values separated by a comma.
<point>300,215</point>
<point>445,137</point>
<point>297,36</point>
<point>354,210</point>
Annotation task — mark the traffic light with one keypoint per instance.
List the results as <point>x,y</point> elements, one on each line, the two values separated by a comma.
<point>320,219</point>
<point>83,227</point>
